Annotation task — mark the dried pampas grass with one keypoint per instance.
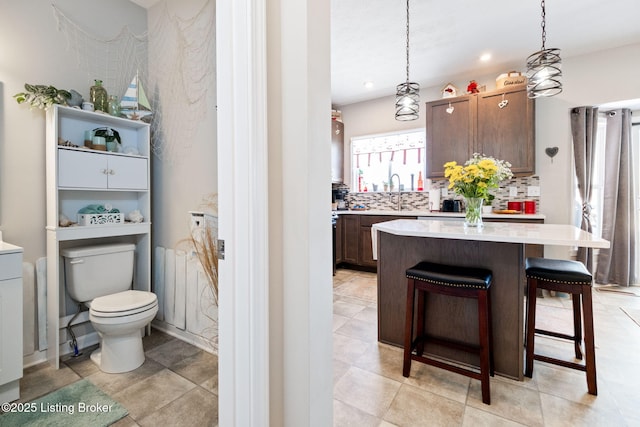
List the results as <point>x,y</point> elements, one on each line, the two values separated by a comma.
<point>206,247</point>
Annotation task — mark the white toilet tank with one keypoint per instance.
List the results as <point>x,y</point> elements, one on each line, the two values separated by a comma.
<point>98,270</point>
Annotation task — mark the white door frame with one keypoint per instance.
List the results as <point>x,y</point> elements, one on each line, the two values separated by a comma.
<point>243,398</point>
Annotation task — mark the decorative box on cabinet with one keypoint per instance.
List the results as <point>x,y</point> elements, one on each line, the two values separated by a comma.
<point>498,123</point>
<point>77,177</point>
<point>10,321</point>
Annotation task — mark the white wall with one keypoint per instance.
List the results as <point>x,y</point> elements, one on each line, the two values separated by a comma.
<point>592,79</point>
<point>185,181</point>
<point>33,51</point>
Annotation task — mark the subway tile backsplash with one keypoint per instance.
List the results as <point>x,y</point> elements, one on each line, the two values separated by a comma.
<point>413,200</point>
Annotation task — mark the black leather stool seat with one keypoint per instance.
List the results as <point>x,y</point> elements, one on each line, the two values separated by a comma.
<point>452,281</point>
<point>573,278</point>
<point>450,275</point>
<point>558,270</point>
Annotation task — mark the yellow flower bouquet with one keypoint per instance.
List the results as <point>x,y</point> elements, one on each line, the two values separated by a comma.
<point>473,180</point>
<point>478,175</point>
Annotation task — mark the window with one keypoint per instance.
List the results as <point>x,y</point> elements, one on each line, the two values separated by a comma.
<point>375,158</point>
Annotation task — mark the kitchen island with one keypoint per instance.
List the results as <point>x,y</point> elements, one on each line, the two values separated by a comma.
<point>499,246</point>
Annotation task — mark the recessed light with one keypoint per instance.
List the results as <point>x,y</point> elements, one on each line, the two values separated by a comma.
<point>485,57</point>
<point>368,84</point>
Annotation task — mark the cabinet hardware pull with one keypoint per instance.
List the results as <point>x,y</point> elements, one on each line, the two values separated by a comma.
<point>111,172</point>
<point>105,171</point>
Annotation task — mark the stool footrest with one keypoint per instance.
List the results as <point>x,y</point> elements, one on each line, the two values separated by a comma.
<point>555,334</point>
<point>447,366</point>
<point>469,348</point>
<point>560,362</point>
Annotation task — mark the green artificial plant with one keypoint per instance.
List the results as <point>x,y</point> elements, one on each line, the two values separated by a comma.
<point>42,96</point>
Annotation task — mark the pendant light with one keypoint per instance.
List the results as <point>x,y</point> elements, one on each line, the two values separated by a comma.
<point>544,68</point>
<point>407,96</point>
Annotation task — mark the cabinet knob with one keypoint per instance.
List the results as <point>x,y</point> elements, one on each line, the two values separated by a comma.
<point>105,171</point>
<point>111,172</point>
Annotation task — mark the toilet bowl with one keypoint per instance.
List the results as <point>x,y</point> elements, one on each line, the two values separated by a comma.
<point>100,276</point>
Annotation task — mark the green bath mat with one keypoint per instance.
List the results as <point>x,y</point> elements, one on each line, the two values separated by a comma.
<point>78,404</point>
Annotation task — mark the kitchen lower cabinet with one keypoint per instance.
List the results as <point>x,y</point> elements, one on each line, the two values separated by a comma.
<point>351,235</point>
<point>357,245</point>
<point>339,242</point>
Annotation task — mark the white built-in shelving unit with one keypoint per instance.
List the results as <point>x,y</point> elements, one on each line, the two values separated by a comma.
<point>79,176</point>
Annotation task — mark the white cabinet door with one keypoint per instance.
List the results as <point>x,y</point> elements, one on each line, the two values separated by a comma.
<point>127,173</point>
<point>77,169</point>
<point>80,169</point>
<point>10,318</point>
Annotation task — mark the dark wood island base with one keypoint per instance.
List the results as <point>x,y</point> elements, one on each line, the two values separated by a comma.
<point>455,317</point>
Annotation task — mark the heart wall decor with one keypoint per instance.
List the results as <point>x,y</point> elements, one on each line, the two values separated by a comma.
<point>551,151</point>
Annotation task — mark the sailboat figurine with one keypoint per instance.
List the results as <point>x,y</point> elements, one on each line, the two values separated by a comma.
<point>134,104</point>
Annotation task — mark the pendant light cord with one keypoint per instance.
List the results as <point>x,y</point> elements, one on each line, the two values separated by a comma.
<point>543,25</point>
<point>408,40</point>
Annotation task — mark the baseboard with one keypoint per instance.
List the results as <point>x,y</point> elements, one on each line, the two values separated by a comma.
<point>185,336</point>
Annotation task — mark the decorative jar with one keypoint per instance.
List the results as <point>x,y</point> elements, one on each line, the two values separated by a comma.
<point>99,97</point>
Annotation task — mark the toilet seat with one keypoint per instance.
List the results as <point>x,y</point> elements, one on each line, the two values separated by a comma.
<point>123,304</point>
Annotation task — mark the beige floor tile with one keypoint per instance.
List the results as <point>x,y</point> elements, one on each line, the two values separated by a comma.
<point>439,381</point>
<point>151,394</point>
<point>415,407</point>
<point>339,369</point>
<point>383,360</point>
<point>359,329</point>
<point>198,368</point>
<point>477,418</point>
<point>195,408</point>
<point>570,384</point>
<point>366,391</point>
<point>338,321</point>
<point>358,287</point>
<point>519,404</point>
<point>82,364</point>
<point>347,416</point>
<point>172,352</point>
<point>156,338</point>
<point>113,383</point>
<point>42,379</point>
<point>125,422</point>
<point>347,349</point>
<point>561,412</point>
<point>369,314</point>
<point>347,308</point>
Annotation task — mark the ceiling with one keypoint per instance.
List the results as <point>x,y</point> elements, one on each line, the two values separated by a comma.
<point>448,37</point>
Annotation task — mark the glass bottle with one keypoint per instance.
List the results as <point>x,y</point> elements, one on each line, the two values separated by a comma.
<point>99,97</point>
<point>114,106</point>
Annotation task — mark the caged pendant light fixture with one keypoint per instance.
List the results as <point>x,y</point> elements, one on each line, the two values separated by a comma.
<point>407,96</point>
<point>544,68</point>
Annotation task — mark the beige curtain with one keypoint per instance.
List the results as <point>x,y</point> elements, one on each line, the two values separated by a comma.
<point>584,126</point>
<point>617,265</point>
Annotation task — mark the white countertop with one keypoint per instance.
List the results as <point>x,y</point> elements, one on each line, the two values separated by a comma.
<point>427,213</point>
<point>7,248</point>
<point>508,232</point>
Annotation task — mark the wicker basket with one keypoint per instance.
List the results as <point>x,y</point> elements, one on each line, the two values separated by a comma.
<point>100,219</point>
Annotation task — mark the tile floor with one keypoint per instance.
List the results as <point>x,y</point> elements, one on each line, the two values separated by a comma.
<point>178,383</point>
<point>369,389</point>
<point>176,386</point>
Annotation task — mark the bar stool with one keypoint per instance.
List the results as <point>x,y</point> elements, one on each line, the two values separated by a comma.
<point>466,282</point>
<point>572,278</point>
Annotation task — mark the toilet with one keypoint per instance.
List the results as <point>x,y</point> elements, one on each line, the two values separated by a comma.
<point>100,276</point>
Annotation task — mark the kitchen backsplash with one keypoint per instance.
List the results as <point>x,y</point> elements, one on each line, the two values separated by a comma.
<point>413,200</point>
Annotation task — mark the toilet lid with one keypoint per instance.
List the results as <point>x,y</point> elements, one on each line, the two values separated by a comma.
<point>123,302</point>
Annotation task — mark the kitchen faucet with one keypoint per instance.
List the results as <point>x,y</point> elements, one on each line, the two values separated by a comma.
<point>399,194</point>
